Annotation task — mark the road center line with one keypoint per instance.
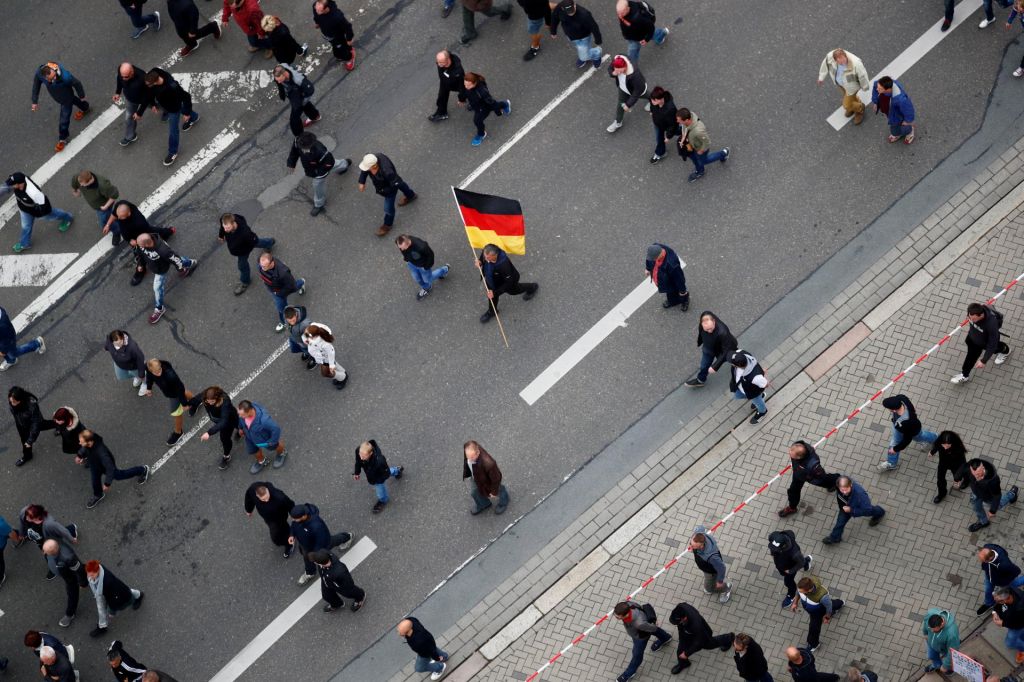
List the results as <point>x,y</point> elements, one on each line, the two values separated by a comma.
<point>287,618</point>
<point>910,56</point>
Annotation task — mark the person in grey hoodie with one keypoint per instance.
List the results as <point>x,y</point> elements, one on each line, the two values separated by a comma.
<point>129,362</point>
<point>62,561</point>
<point>639,625</point>
<point>708,558</point>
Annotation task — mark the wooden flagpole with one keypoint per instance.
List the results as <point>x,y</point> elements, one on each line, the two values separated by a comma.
<point>483,280</point>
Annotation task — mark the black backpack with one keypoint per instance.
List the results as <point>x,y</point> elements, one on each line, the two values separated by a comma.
<point>647,11</point>
<point>998,315</point>
<point>649,612</point>
<point>306,89</point>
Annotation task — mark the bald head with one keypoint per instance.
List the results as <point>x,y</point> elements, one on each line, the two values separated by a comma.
<point>405,627</point>
<point>126,70</point>
<point>793,654</point>
<point>443,59</point>
<point>123,212</point>
<point>622,7</point>
<point>51,547</point>
<point>145,240</point>
<point>47,655</point>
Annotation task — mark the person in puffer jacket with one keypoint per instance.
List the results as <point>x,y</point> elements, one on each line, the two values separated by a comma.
<point>320,345</point>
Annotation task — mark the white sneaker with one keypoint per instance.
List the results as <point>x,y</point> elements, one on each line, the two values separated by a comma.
<point>440,673</point>
<point>136,382</point>
<point>999,359</point>
<point>887,466</point>
<point>647,107</point>
<point>305,578</point>
<point>142,389</point>
<point>280,327</point>
<point>1019,72</point>
<point>959,379</point>
<point>4,366</point>
<point>724,597</point>
<point>985,23</point>
<point>613,127</point>
<point>810,562</point>
<point>42,349</point>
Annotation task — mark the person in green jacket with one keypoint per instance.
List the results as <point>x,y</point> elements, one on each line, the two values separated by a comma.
<point>941,634</point>
<point>99,192</point>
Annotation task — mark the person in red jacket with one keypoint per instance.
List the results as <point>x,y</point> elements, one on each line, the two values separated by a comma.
<point>249,18</point>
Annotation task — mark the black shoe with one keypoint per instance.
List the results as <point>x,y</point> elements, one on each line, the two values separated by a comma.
<point>938,498</point>
<point>787,511</point>
<point>50,575</point>
<point>173,438</point>
<point>141,480</point>
<point>3,664</point>
<point>978,525</point>
<point>316,210</point>
<point>680,667</point>
<point>288,551</point>
<point>137,277</point>
<point>506,16</point>
<point>225,462</point>
<point>169,159</point>
<point>477,510</point>
<point>983,608</point>
<point>187,125</point>
<point>668,304</point>
<point>533,292</point>
<point>758,417</point>
<point>946,23</point>
<point>23,460</point>
<point>487,316</point>
<point>356,605</point>
<point>378,507</point>
<point>125,141</point>
<point>340,383</point>
<point>685,305</point>
<point>310,363</point>
<point>94,500</point>
<point>446,10</point>
<point>875,520</point>
<point>138,602</point>
<point>437,118</point>
<point>328,608</point>
<point>531,53</point>
<point>830,541</point>
<point>694,177</point>
<point>658,644</point>
<point>73,529</point>
<point>97,632</point>
<point>466,40</point>
<point>1014,491</point>
<point>693,383</point>
<point>401,470</point>
<point>115,239</point>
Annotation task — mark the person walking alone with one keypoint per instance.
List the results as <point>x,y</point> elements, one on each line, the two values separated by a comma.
<point>62,560</point>
<point>273,506</point>
<point>853,501</point>
<point>486,485</point>
<point>176,104</point>
<point>419,258</point>
<point>223,420</point>
<point>636,21</point>
<point>709,560</point>
<point>387,183</point>
<point>906,428</point>
<point>129,362</point>
<point>501,277</point>
<point>482,104</point>
<point>665,269</point>
<point>336,584</point>
<point>983,341</point>
<point>789,560</point>
<point>261,433</point>
<point>9,348</point>
<point>631,88</point>
<point>748,382</point>
<point>429,657</point>
<point>241,240</point>
<point>317,164</point>
<point>103,468</point>
<point>32,205</point>
<point>640,623</point>
<point>320,346</point>
<point>697,142</point>
<point>818,604</point>
<point>295,88</point>
<point>952,458</point>
<point>941,634</point>
<point>370,461</point>
<point>67,91</point>
<point>694,635</point>
<point>280,283</point>
<point>807,468</point>
<point>847,71</point>
<point>111,595</point>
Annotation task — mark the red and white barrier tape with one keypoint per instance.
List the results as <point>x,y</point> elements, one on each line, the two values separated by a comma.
<point>835,429</point>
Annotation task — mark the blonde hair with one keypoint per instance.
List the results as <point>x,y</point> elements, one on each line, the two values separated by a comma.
<point>365,448</point>
<point>153,364</point>
<point>269,23</point>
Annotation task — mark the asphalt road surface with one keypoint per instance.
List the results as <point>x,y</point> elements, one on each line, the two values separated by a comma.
<point>760,236</point>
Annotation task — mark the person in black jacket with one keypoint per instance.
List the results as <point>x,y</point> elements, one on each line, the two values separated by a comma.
<point>285,48</point>
<point>663,115</point>
<point>33,205</point>
<point>125,667</point>
<point>666,272</point>
<point>273,506</point>
<point>485,7</point>
<point>538,15</point>
<point>141,22</point>
<point>185,16</point>
<point>789,560</point>
<point>581,30</point>
<point>429,657</point>
<point>310,533</point>
<point>387,183</point>
<point>127,222</point>
<point>801,666</point>
<point>636,20</point>
<point>103,467</point>
<point>807,468</point>
<point>161,373</point>
<point>1009,614</point>
<point>482,104</point>
<point>223,419</point>
<point>28,419</point>
<point>337,31</point>
<point>297,89</point>
<point>952,457</point>
<point>750,660</point>
<point>67,425</point>
<point>67,91</point>
<point>906,428</point>
<point>317,164</point>
<point>450,76</point>
<point>131,86</point>
<point>999,571</point>
<point>159,257</point>
<point>280,283</point>
<point>10,351</point>
<point>717,345</point>
<point>983,341</point>
<point>694,635</point>
<point>981,475</point>
<point>631,87</point>
<point>336,582</point>
<point>241,240</point>
<point>501,277</point>
<point>370,461</point>
<point>419,257</point>
<point>111,594</point>
<point>176,103</point>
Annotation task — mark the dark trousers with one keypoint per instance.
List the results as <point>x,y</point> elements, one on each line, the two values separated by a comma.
<point>119,475</point>
<point>202,32</point>
<point>74,581</point>
<point>817,616</point>
<point>974,352</point>
<point>3,564</point>
<point>691,647</point>
<point>949,10</point>
<point>942,469</point>
<point>295,119</point>
<point>341,49</point>
<point>279,533</point>
<point>226,442</point>
<point>639,647</point>
<point>138,18</point>
<point>480,114</point>
<point>348,591</point>
<point>442,97</point>
<point>795,486</point>
<point>336,540</point>
<point>64,124</point>
<point>515,290</point>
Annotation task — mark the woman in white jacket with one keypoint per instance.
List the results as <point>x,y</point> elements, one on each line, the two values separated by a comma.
<point>320,345</point>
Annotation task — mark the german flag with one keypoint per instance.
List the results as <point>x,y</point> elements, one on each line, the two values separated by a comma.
<point>492,220</point>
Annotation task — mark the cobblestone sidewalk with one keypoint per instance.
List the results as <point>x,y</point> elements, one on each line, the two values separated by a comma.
<point>920,556</point>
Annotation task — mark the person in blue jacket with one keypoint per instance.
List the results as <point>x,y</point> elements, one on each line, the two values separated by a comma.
<point>853,501</point>
<point>889,96</point>
<point>311,534</point>
<point>9,348</point>
<point>261,433</point>
<point>5,532</point>
<point>999,571</point>
<point>666,271</point>
<point>66,90</point>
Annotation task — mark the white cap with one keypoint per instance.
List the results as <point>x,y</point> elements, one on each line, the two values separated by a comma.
<point>368,162</point>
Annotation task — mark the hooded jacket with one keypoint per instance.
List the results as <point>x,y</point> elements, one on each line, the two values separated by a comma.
<point>31,200</point>
<point>638,627</point>
<point>858,500</point>
<point>985,333</point>
<point>263,432</point>
<point>386,180</point>
<point>500,275</point>
<point>946,638</point>
<point>334,26</point>
<point>240,241</point>
<point>335,576</point>
<point>666,272</point>
<point>295,331</point>
<point>419,253</point>
<point>295,89</point>
<point>49,529</point>
<point>750,379</point>
<point>169,383</point>
<point>855,76</point>
<point>1000,571</point>
<point>99,192</point>
<point>376,467</point>
<point>637,25</point>
<point>274,510</point>
<point>100,459</point>
<point>901,109</point>
<point>907,425</point>
<point>317,162</point>
<point>319,348</point>
<point>279,279</point>
<point>129,356</point>
<point>632,83</point>
<point>160,257</point>
<point>751,665</point>
<point>695,632</point>
<point>577,25</point>
<point>987,489</point>
<point>719,341</point>
<point>63,89</point>
<point>485,473</point>
<point>248,16</point>
<point>808,468</point>
<point>28,419</point>
<point>664,118</point>
<point>479,98</point>
<point>311,534</point>
<point>69,432</point>
<point>709,559</point>
<point>786,553</point>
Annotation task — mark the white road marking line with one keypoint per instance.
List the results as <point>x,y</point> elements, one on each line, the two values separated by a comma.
<point>615,318</point>
<point>211,87</point>
<point>288,618</point>
<point>70,277</point>
<point>531,124</point>
<point>33,269</point>
<point>910,56</point>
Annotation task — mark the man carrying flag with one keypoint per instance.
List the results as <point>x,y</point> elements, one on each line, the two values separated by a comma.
<point>502,278</point>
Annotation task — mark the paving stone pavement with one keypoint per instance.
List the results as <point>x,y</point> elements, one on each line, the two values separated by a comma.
<point>920,556</point>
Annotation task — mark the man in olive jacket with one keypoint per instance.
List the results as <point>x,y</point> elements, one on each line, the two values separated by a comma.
<point>479,465</point>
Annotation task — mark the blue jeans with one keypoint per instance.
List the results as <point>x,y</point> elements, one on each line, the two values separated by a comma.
<point>281,302</point>
<point>639,647</point>
<point>159,282</point>
<point>979,506</point>
<point>844,518</point>
<point>923,437</point>
<point>244,273</point>
<point>634,45</point>
<point>483,502</point>
<point>934,656</point>
<point>262,43</point>
<point>1015,639</point>
<point>701,159</point>
<point>119,475</point>
<point>758,402</point>
<point>12,352</point>
<point>426,277</point>
<point>27,221</point>
<point>382,488</point>
<point>138,18</point>
<point>586,50</point>
<point>389,202</point>
<point>295,347</point>
<point>533,26</point>
<point>424,664</point>
<point>174,128</point>
<point>987,4</point>
<point>448,4</point>
<point>102,215</point>
<point>707,358</point>
<point>900,131</point>
<point>64,125</point>
<point>989,601</point>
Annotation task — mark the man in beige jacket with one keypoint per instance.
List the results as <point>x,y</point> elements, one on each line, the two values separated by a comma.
<point>847,71</point>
